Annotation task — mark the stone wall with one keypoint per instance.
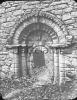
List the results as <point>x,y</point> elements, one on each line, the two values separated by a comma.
<point>12,11</point>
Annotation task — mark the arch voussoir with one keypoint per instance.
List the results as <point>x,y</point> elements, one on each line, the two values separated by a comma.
<point>42,17</point>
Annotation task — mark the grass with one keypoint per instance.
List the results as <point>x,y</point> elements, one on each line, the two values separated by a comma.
<point>23,88</point>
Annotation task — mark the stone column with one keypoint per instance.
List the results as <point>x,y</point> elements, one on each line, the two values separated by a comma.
<point>52,63</point>
<point>16,66</point>
<point>61,67</point>
<point>56,66</point>
<point>23,63</point>
<point>19,57</point>
<point>27,60</point>
<point>31,64</point>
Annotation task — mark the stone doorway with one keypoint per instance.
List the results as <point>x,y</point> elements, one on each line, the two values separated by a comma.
<point>39,56</point>
<point>39,30</point>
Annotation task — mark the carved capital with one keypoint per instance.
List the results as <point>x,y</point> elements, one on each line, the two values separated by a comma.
<point>69,39</point>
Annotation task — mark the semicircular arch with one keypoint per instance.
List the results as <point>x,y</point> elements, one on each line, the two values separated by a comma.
<point>35,17</point>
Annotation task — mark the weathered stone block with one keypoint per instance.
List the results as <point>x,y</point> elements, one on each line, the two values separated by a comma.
<point>2,63</point>
<point>2,57</point>
<point>59,16</point>
<point>3,36</point>
<point>9,58</point>
<point>4,41</point>
<point>3,75</point>
<point>2,19</point>
<point>10,9</point>
<point>2,10</point>
<point>57,11</point>
<point>70,27</point>
<point>7,14</point>
<point>74,25</point>
<point>8,24</point>
<point>60,2</point>
<point>6,4</point>
<point>5,68</point>
<point>67,10</point>
<point>48,8</point>
<point>73,32</point>
<point>1,47</point>
<point>8,63</point>
<point>66,16</point>
<point>25,6</point>
<point>17,12</point>
<point>61,6</point>
<point>15,4</point>
<point>69,21</point>
<point>12,68</point>
<point>11,18</point>
<point>74,14</point>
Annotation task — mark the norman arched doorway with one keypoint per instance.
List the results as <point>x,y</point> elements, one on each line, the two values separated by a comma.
<point>38,40</point>
<point>39,54</point>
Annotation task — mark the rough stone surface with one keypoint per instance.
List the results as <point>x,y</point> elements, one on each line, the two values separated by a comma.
<point>11,12</point>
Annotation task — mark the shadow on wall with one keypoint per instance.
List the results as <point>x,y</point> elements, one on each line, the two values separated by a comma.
<point>75,0</point>
<point>1,97</point>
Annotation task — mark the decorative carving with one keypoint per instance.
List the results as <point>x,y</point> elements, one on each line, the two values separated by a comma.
<point>36,17</point>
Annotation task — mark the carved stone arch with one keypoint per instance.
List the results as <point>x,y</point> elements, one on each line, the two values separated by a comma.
<point>55,27</point>
<point>43,17</point>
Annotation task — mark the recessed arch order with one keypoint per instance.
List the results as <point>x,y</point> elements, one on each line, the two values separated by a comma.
<point>46,18</point>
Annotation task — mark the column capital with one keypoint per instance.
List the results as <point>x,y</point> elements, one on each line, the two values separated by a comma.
<point>56,50</point>
<point>61,50</point>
